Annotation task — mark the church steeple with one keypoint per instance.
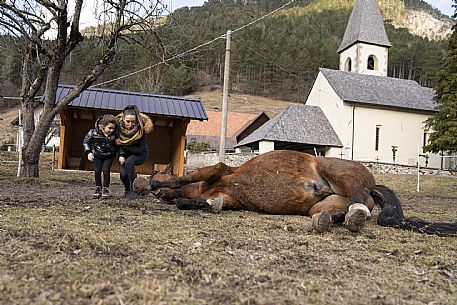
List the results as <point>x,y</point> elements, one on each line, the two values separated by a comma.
<point>365,44</point>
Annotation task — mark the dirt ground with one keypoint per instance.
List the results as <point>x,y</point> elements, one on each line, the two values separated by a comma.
<point>58,246</point>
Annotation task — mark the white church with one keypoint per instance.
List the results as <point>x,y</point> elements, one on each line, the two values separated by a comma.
<point>374,117</point>
<point>377,118</point>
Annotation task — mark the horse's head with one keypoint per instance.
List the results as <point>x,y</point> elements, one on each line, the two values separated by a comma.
<point>162,175</point>
<point>142,185</point>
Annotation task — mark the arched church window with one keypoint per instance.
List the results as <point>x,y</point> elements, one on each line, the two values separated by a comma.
<point>348,65</point>
<point>372,62</point>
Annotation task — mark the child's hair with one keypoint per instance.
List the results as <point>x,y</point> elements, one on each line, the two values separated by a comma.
<point>107,119</point>
<point>133,110</point>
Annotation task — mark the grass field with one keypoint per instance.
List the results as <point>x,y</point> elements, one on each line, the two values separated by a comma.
<point>58,246</point>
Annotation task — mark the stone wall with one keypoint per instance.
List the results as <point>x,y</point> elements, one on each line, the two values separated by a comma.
<point>195,160</point>
<point>389,168</point>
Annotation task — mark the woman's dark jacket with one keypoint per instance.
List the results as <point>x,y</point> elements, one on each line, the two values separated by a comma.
<point>137,148</point>
<point>100,145</point>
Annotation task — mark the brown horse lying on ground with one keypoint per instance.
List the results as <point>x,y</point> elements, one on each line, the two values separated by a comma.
<point>330,190</point>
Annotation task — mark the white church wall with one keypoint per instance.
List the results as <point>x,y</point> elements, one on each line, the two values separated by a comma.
<point>401,129</point>
<point>339,115</point>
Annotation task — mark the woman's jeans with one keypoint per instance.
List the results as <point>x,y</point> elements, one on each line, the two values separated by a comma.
<point>128,174</point>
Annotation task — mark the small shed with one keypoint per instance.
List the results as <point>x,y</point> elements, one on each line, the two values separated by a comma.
<point>166,143</point>
<point>298,127</point>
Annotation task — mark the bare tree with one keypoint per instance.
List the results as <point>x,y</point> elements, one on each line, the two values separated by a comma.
<point>48,31</point>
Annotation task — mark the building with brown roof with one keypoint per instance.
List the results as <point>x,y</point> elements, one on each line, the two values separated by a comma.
<point>238,124</point>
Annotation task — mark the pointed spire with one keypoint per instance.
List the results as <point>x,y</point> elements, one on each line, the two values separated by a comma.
<point>365,25</point>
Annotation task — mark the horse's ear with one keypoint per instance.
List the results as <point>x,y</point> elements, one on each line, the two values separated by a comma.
<point>169,169</point>
<point>154,172</point>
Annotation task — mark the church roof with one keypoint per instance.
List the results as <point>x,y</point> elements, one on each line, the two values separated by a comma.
<point>365,25</point>
<point>380,90</point>
<point>297,123</point>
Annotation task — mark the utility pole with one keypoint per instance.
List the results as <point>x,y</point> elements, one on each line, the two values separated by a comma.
<point>225,93</point>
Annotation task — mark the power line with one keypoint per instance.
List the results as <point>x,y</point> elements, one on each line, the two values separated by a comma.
<point>159,63</point>
<point>195,48</point>
<point>188,51</point>
<point>264,16</point>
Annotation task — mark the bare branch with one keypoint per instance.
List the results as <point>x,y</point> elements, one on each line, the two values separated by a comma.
<point>50,5</point>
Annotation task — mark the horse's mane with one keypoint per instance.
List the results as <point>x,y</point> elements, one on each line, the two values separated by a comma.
<point>391,215</point>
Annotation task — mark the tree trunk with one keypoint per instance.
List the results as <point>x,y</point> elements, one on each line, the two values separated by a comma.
<point>30,168</point>
<point>32,150</point>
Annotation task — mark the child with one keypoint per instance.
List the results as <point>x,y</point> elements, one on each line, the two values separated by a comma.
<point>134,149</point>
<point>100,147</point>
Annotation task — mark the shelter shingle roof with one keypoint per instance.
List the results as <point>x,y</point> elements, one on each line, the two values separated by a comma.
<point>297,123</point>
<point>380,90</point>
<point>365,25</point>
<point>97,98</point>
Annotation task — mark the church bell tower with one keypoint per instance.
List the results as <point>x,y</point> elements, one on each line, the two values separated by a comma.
<point>365,44</point>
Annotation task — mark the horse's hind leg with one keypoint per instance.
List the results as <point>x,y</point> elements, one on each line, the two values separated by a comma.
<point>328,211</point>
<point>334,209</point>
<point>209,174</point>
<point>354,181</point>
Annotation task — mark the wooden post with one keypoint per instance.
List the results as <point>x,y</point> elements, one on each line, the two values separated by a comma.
<point>63,122</point>
<point>225,98</point>
<point>178,146</point>
<point>53,157</point>
<point>19,145</point>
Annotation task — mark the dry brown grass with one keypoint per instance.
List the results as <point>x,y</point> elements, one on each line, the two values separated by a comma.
<point>241,102</point>
<point>7,132</point>
<point>60,247</point>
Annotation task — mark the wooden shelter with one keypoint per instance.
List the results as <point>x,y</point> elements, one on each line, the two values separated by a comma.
<point>297,127</point>
<point>166,143</point>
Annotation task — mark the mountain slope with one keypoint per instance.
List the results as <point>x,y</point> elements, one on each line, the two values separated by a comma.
<point>417,16</point>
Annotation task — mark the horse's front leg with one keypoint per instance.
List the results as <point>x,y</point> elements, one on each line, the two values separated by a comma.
<point>208,174</point>
<point>191,191</point>
<point>212,200</point>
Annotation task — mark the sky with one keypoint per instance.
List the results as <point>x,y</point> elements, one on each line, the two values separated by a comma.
<point>87,18</point>
<point>443,5</point>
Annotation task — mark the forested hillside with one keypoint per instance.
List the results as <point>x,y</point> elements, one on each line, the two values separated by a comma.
<point>277,57</point>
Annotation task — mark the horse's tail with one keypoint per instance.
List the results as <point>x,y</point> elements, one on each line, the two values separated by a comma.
<point>391,215</point>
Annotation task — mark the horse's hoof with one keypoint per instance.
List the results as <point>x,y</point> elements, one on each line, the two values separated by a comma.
<point>355,220</point>
<point>159,193</point>
<point>322,221</point>
<point>216,204</point>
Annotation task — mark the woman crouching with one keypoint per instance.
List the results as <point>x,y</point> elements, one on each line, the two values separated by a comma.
<point>134,149</point>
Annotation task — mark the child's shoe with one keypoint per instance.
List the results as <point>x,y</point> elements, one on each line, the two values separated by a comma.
<point>105,193</point>
<point>98,192</point>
